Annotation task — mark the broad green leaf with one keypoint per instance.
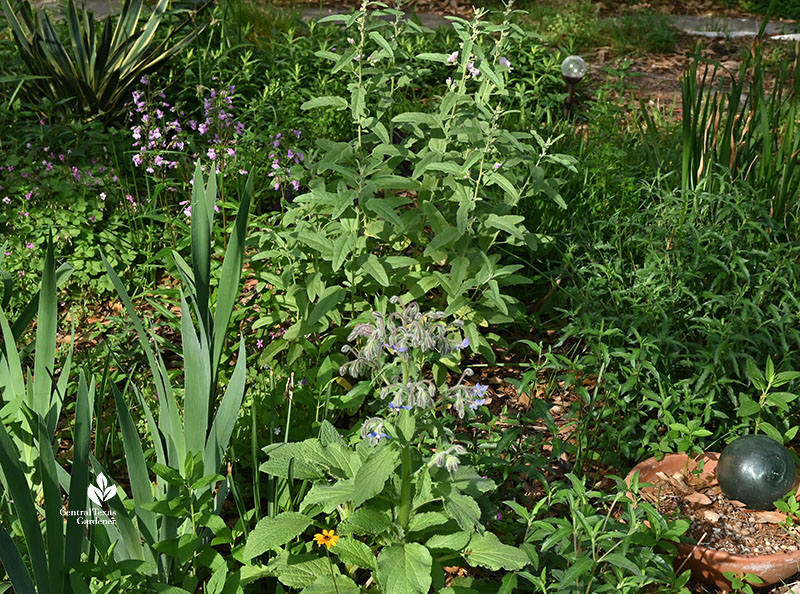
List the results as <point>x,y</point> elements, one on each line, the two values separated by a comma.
<point>581,566</point>
<point>271,533</point>
<point>747,406</point>
<point>381,41</point>
<point>425,520</point>
<point>324,585</point>
<point>622,562</point>
<point>373,474</point>
<point>441,58</point>
<point>448,542</point>
<point>355,552</point>
<point>329,497</point>
<point>365,520</point>
<point>327,101</point>
<point>464,510</point>
<point>511,224</point>
<point>405,569</point>
<point>299,571</point>
<point>331,298</point>
<point>417,118</point>
<point>375,269</point>
<point>486,550</point>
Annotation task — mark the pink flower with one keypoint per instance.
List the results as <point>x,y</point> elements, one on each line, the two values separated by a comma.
<point>260,343</point>
<point>29,245</point>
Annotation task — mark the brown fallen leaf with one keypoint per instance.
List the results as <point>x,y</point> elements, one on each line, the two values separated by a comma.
<point>698,498</point>
<point>768,517</point>
<point>711,516</point>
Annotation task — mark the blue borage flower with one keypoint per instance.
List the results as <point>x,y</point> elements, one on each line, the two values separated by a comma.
<point>372,429</point>
<point>399,333</point>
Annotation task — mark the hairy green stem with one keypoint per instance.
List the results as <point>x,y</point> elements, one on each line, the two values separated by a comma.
<point>405,489</point>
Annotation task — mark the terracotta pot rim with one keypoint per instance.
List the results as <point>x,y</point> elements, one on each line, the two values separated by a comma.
<point>701,547</point>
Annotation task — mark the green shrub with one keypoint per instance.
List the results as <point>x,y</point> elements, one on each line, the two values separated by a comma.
<point>676,303</point>
<point>420,204</point>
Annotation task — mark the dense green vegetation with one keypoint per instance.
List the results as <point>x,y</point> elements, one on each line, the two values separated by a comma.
<point>361,276</point>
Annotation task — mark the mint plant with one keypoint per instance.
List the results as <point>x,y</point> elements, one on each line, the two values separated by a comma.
<point>398,494</point>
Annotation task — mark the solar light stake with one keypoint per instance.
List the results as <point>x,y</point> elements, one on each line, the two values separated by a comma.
<point>573,69</point>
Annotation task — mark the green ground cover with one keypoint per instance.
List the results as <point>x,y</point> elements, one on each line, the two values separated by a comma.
<point>365,277</point>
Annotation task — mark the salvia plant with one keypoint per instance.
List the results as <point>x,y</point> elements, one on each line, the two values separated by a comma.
<point>425,200</point>
<point>398,494</point>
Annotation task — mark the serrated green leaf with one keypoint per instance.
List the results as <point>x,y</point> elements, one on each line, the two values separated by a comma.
<point>329,497</point>
<point>464,510</point>
<point>365,520</point>
<point>405,569</point>
<point>355,552</point>
<point>448,542</point>
<point>271,533</point>
<point>299,571</point>
<point>425,520</point>
<point>486,550</point>
<point>324,585</point>
<point>373,474</point>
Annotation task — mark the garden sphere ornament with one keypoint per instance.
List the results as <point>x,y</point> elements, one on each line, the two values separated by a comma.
<point>573,69</point>
<point>755,470</point>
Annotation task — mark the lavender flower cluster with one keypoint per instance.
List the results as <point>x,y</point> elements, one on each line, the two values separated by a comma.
<point>156,132</point>
<point>280,171</point>
<point>160,138</point>
<point>219,125</point>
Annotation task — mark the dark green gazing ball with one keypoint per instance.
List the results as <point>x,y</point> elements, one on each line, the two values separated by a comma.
<point>755,470</point>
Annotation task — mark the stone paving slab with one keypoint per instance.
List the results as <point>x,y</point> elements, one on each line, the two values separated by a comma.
<point>701,26</point>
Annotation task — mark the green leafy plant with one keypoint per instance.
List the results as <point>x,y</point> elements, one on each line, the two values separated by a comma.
<point>400,491</point>
<point>421,203</point>
<point>598,542</point>
<point>190,442</point>
<point>98,69</point>
<point>772,407</point>
<point>31,477</point>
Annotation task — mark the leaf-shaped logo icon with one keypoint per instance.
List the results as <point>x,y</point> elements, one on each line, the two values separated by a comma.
<point>103,491</point>
<point>95,495</point>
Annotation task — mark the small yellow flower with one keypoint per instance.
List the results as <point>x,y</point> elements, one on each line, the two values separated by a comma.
<point>327,538</point>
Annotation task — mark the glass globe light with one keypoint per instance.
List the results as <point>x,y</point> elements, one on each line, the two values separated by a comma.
<point>755,470</point>
<point>573,69</point>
